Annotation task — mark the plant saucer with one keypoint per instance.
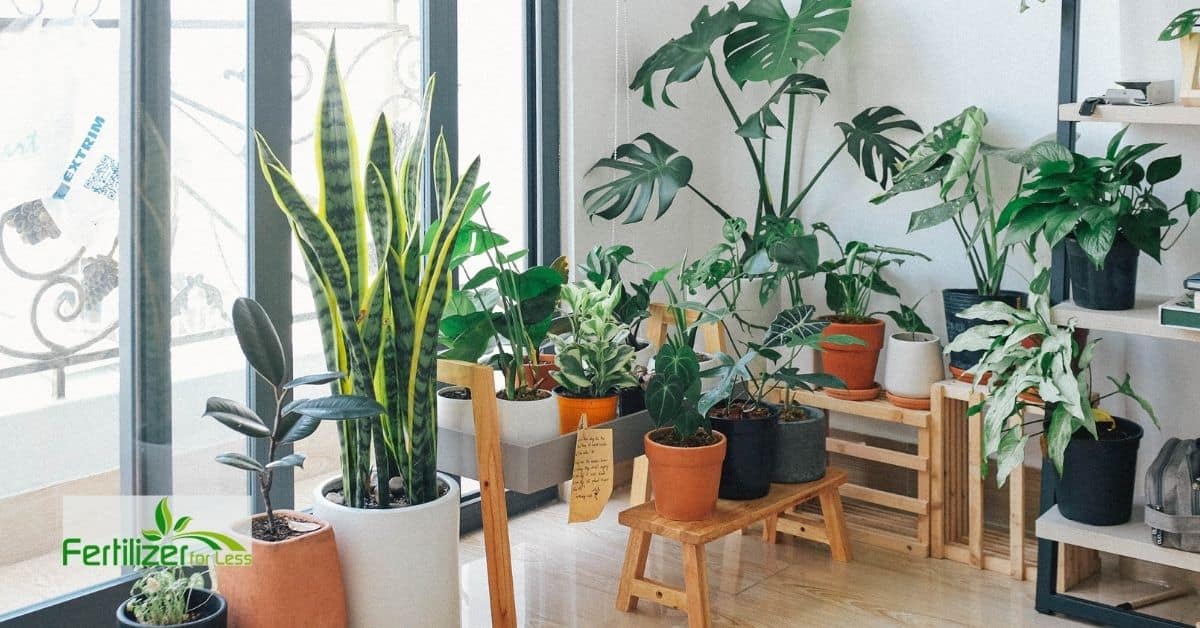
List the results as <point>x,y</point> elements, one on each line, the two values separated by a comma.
<point>855,394</point>
<point>908,403</point>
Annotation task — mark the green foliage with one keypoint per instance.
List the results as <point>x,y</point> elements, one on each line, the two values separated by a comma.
<point>633,305</point>
<point>1050,363</point>
<point>877,154</point>
<point>1182,26</point>
<point>644,172</point>
<point>160,596</point>
<point>855,275</point>
<point>771,43</point>
<point>1097,199</point>
<point>593,360</point>
<point>260,344</point>
<point>380,281</point>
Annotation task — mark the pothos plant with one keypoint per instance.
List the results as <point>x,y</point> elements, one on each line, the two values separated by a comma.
<point>1027,353</point>
<point>954,159</point>
<point>855,276</point>
<point>593,359</point>
<point>761,43</point>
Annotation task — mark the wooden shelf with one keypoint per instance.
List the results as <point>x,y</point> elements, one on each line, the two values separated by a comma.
<point>1130,539</point>
<point>1173,113</point>
<point>1142,320</point>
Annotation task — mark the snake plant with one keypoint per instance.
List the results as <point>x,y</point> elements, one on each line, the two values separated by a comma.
<point>380,282</point>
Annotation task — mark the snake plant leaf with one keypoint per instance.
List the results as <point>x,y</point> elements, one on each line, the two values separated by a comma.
<point>315,379</point>
<point>290,460</point>
<point>793,324</point>
<point>642,172</point>
<point>683,57</point>
<point>337,171</point>
<point>756,124</point>
<point>236,416</point>
<point>259,341</point>
<point>240,461</point>
<point>878,155</point>
<point>1183,25</point>
<point>379,208</point>
<point>774,44</point>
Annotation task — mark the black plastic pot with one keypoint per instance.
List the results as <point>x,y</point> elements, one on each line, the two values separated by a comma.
<point>630,400</point>
<point>749,456</point>
<point>955,300</point>
<point>1098,477</point>
<point>800,448</point>
<point>1113,286</point>
<point>212,611</point>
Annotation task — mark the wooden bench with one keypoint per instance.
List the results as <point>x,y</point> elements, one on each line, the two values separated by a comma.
<point>729,517</point>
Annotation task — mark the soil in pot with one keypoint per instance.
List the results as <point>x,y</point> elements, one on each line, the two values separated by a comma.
<point>295,578</point>
<point>955,300</point>
<point>685,472</point>
<point>210,611</point>
<point>750,458</point>
<point>854,364</point>
<point>800,445</point>
<point>1113,286</point>
<point>1099,475</point>
<point>571,408</point>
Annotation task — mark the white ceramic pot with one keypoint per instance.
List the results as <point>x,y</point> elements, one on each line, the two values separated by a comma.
<point>400,565</point>
<point>645,356</point>
<point>913,364</point>
<point>528,422</point>
<point>455,414</point>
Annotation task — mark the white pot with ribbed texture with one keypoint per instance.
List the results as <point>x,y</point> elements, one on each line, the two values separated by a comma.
<point>400,565</point>
<point>455,414</point>
<point>913,364</point>
<point>528,422</point>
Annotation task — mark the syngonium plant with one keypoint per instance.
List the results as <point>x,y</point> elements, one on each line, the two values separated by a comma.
<point>956,160</point>
<point>292,421</point>
<point>380,281</point>
<point>762,43</point>
<point>593,359</point>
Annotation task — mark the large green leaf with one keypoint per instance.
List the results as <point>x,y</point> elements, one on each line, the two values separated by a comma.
<point>793,325</point>
<point>683,58</point>
<point>1096,240</point>
<point>337,407</point>
<point>236,416</point>
<point>878,155</point>
<point>259,341</point>
<point>241,461</point>
<point>642,173</point>
<point>1181,26</point>
<point>756,124</point>
<point>337,172</point>
<point>774,44</point>
<point>936,215</point>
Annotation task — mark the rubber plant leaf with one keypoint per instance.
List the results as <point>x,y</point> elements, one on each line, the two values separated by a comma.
<point>642,172</point>
<point>682,58</point>
<point>773,44</point>
<point>259,341</point>
<point>878,155</point>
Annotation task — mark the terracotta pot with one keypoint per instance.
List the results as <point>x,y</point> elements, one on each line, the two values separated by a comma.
<point>570,409</point>
<point>686,478</point>
<point>854,364</point>
<point>541,372</point>
<point>295,582</point>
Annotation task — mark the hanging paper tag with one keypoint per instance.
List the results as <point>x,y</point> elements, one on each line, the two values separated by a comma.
<point>592,478</point>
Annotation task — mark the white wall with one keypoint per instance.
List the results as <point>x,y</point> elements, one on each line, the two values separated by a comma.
<point>931,59</point>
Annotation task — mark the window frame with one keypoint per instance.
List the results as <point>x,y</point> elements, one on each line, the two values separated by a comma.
<point>144,336</point>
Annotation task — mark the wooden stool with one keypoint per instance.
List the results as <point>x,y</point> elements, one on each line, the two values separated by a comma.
<point>729,517</point>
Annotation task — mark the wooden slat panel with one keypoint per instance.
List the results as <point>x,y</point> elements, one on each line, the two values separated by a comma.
<point>878,454</point>
<point>877,409</point>
<point>884,498</point>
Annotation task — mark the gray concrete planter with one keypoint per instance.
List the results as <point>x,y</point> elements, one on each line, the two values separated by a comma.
<point>800,449</point>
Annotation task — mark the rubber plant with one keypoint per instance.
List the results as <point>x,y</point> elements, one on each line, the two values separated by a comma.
<point>1025,352</point>
<point>380,281</point>
<point>760,43</point>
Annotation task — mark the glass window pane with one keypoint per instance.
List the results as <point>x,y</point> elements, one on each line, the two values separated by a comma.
<point>58,316</point>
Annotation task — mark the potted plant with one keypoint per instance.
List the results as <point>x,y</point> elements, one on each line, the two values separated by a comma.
<point>295,577</point>
<point>851,279</point>
<point>914,361</point>
<point>166,596</point>
<point>594,360</point>
<point>954,159</point>
<point>1094,455</point>
<point>379,316</point>
<point>1183,28</point>
<point>502,315</point>
<point>763,43</point>
<point>1106,211</point>
<point>684,452</point>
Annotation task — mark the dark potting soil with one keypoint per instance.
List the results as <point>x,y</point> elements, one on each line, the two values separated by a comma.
<point>738,410</point>
<point>668,437</point>
<point>848,320</point>
<point>524,394</point>
<point>399,499</point>
<point>462,394</point>
<point>793,414</point>
<point>261,530</point>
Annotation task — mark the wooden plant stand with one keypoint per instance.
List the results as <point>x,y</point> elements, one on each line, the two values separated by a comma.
<point>871,524</point>
<point>729,517</point>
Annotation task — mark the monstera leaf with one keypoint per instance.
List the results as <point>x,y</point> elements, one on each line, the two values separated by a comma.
<point>643,171</point>
<point>878,155</point>
<point>756,124</point>
<point>1181,26</point>
<point>774,44</point>
<point>683,58</point>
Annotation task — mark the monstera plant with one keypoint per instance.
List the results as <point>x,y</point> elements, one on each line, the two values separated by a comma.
<point>761,42</point>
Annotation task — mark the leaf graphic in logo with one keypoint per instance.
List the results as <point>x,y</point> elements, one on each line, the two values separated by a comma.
<point>151,535</point>
<point>182,523</point>
<point>214,540</point>
<point>162,517</point>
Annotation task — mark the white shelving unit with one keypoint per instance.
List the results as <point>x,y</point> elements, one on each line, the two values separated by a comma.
<point>1173,113</point>
<point>1142,320</point>
<point>1130,539</point>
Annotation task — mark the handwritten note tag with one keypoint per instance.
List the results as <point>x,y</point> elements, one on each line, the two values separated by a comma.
<point>592,478</point>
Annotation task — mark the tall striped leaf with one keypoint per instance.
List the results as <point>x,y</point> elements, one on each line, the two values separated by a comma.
<point>336,171</point>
